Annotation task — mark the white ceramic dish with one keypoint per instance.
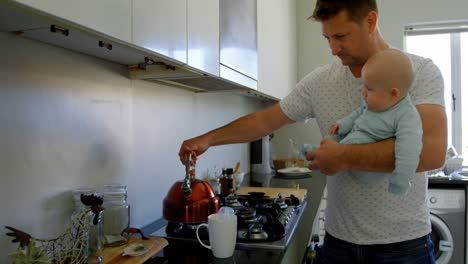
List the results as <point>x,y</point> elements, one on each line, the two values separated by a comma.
<point>135,250</point>
<point>294,171</point>
<point>238,178</point>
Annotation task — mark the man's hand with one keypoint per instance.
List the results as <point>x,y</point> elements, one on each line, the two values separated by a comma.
<point>198,145</point>
<point>327,158</point>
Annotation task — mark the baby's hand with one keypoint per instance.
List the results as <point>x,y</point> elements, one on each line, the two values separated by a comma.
<point>334,129</point>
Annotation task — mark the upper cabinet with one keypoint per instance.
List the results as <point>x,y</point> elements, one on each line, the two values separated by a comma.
<point>203,35</point>
<point>238,38</point>
<point>110,17</point>
<point>187,31</point>
<point>161,26</point>
<point>203,45</point>
<point>277,58</point>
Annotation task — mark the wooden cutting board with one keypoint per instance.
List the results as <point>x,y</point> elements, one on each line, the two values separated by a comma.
<point>273,192</point>
<point>113,255</point>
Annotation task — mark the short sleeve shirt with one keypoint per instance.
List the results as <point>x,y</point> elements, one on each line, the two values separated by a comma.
<point>356,212</point>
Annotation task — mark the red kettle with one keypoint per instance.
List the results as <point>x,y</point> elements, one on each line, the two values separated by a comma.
<point>191,200</point>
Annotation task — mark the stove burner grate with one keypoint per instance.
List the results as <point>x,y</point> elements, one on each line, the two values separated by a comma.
<point>260,218</point>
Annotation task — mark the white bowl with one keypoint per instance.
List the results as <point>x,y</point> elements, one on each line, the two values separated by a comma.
<point>453,164</point>
<point>238,178</point>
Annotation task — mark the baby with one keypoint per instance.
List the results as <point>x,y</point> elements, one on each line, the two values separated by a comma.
<point>387,111</point>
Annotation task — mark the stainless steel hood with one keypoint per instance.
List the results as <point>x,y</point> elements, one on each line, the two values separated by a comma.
<point>191,77</point>
<point>194,80</point>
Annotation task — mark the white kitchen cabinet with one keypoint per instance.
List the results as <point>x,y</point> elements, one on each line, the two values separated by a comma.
<point>110,17</point>
<point>277,63</point>
<point>161,26</point>
<point>238,38</point>
<point>203,35</point>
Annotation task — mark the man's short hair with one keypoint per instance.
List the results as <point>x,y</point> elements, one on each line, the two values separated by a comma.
<point>357,9</point>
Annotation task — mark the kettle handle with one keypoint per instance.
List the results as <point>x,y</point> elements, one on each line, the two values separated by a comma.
<point>189,174</point>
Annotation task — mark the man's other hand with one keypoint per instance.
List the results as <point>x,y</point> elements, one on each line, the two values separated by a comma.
<point>327,158</point>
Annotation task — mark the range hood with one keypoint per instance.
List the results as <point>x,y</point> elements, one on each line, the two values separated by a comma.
<point>189,78</point>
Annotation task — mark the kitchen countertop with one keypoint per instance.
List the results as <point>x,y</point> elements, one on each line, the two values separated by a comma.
<point>441,181</point>
<point>183,251</point>
<point>113,255</point>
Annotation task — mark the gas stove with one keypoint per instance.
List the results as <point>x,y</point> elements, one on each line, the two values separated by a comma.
<point>262,222</point>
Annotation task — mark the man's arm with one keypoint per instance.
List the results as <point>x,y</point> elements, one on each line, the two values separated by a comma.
<point>332,157</point>
<point>434,122</point>
<point>245,129</point>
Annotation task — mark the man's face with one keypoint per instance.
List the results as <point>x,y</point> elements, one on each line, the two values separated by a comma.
<point>347,39</point>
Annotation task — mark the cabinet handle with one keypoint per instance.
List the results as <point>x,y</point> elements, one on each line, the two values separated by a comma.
<point>149,61</point>
<point>57,29</point>
<point>106,45</point>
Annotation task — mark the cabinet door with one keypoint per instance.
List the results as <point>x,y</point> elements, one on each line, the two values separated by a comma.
<point>238,36</point>
<point>277,69</point>
<point>161,26</point>
<point>203,35</point>
<point>110,17</point>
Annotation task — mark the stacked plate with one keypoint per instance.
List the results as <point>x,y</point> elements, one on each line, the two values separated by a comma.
<point>294,172</point>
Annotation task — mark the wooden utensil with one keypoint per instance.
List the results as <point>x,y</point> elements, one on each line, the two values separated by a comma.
<point>236,170</point>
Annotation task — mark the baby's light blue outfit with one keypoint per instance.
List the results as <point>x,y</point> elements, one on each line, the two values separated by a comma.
<point>401,121</point>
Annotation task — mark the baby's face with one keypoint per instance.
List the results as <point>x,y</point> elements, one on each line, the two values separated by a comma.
<point>378,99</point>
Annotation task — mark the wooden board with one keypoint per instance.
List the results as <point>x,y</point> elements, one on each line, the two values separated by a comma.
<point>113,255</point>
<point>273,192</point>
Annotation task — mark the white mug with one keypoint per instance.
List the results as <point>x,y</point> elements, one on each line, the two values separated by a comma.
<point>222,232</point>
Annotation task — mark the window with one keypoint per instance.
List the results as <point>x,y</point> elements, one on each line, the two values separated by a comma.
<point>447,45</point>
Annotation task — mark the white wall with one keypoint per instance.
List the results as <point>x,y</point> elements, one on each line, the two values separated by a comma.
<point>68,120</point>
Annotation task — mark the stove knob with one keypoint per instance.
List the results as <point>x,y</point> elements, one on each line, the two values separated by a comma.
<point>282,220</point>
<point>256,228</point>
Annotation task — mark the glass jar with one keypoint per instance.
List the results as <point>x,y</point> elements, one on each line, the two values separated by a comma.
<point>94,235</point>
<point>116,215</point>
<point>96,242</point>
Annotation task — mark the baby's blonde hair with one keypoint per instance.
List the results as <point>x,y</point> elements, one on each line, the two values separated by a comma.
<point>392,69</point>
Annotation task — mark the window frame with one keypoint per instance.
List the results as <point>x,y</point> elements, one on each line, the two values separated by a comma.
<point>454,28</point>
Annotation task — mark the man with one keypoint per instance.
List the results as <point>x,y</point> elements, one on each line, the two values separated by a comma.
<point>365,223</point>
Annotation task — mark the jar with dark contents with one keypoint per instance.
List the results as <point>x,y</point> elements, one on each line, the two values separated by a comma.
<point>227,182</point>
